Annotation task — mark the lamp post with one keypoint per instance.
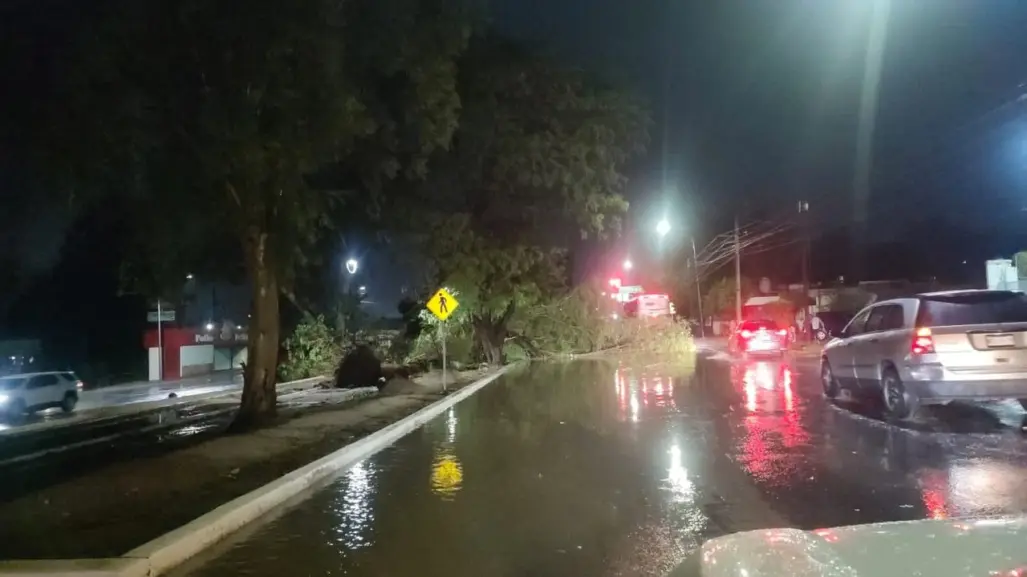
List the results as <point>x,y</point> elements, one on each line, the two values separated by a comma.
<point>663,229</point>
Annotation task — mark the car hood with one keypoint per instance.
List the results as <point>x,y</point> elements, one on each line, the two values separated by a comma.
<point>936,548</point>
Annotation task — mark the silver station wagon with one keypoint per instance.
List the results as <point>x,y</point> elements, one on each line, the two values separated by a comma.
<point>933,348</point>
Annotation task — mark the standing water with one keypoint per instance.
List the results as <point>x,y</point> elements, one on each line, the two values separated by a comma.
<point>579,468</point>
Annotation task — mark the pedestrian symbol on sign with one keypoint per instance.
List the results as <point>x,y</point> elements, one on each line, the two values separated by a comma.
<point>442,304</point>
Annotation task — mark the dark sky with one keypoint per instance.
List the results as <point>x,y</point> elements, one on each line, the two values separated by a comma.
<point>756,105</point>
<point>758,101</point>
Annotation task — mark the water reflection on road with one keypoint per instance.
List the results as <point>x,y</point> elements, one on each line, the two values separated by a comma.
<point>604,469</point>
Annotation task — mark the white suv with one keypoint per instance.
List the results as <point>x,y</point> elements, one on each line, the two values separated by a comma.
<point>31,392</point>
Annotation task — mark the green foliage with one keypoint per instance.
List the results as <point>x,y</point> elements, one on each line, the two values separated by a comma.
<point>657,337</point>
<point>539,149</point>
<point>255,126</point>
<point>719,299</point>
<point>313,349</point>
<point>515,352</point>
<point>579,322</point>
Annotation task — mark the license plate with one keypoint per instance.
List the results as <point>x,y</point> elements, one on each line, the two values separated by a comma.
<point>998,341</point>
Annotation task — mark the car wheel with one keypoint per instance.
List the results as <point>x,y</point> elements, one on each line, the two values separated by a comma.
<point>827,380</point>
<point>898,403</point>
<point>69,402</point>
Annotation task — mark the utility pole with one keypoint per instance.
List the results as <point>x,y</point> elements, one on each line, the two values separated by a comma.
<point>738,276</point>
<point>698,292</point>
<point>807,323</point>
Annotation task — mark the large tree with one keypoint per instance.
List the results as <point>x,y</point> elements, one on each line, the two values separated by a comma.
<point>257,123</point>
<point>537,162</point>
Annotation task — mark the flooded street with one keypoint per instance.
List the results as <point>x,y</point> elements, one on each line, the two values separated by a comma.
<point>594,468</point>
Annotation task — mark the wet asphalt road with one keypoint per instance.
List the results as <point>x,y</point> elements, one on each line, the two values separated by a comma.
<point>590,468</point>
<point>32,460</point>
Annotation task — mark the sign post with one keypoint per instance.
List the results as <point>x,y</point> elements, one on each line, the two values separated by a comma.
<point>442,306</point>
<point>160,342</point>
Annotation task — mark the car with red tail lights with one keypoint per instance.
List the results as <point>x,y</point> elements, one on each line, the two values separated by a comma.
<point>760,337</point>
<point>932,348</point>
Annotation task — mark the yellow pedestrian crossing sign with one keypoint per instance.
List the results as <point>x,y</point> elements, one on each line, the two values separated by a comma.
<point>442,304</point>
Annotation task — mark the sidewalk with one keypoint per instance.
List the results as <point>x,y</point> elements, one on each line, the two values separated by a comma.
<point>158,390</point>
<point>109,511</point>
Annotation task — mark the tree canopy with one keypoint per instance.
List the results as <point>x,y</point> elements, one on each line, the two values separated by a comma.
<point>255,126</point>
<point>537,160</point>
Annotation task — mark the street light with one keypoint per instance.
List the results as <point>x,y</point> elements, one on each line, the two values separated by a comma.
<point>352,265</point>
<point>210,326</point>
<point>628,264</point>
<point>663,227</point>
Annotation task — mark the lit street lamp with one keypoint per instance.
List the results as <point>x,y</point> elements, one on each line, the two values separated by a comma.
<point>352,265</point>
<point>663,227</point>
<point>628,264</point>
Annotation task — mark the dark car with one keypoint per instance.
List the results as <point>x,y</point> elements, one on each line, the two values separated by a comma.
<point>760,337</point>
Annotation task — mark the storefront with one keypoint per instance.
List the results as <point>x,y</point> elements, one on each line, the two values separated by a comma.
<point>189,352</point>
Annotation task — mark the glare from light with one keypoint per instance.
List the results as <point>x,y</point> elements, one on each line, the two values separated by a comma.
<point>451,425</point>
<point>352,265</point>
<point>363,289</point>
<point>189,276</point>
<point>663,227</point>
<point>634,405</point>
<point>210,326</point>
<point>355,513</point>
<point>681,487</point>
<point>749,381</point>
<point>628,265</point>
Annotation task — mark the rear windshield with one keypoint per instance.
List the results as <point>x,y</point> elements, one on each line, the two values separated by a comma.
<point>10,384</point>
<point>984,308</point>
<point>757,325</point>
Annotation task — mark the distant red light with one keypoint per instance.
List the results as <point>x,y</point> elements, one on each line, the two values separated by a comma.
<point>615,282</point>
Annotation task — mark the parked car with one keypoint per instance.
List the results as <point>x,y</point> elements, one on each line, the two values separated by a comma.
<point>760,337</point>
<point>31,392</point>
<point>933,348</point>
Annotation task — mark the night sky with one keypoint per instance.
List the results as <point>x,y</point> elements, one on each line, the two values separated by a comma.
<point>755,103</point>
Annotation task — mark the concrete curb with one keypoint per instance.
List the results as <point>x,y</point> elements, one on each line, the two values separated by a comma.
<point>171,549</point>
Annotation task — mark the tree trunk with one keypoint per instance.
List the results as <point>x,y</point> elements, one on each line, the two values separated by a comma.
<point>491,335</point>
<point>259,398</point>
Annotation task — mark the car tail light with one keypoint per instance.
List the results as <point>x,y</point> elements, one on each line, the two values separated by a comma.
<point>783,333</point>
<point>923,342</point>
<point>746,334</point>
